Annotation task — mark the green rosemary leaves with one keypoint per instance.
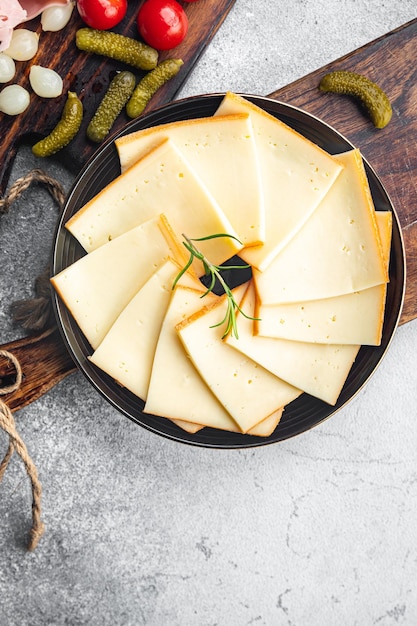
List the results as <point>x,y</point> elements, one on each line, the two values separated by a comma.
<point>214,274</point>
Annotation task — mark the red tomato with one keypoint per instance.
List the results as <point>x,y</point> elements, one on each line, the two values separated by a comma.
<point>102,14</point>
<point>163,24</point>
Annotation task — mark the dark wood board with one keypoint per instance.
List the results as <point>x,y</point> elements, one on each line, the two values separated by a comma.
<point>44,360</point>
<point>389,61</point>
<point>89,75</point>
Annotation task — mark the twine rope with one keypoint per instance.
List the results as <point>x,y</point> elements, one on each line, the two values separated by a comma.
<point>21,184</point>
<point>16,443</point>
<point>33,315</point>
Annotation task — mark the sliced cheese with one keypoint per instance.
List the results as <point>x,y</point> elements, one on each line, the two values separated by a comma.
<point>352,319</point>
<point>126,352</point>
<point>267,426</point>
<point>189,427</point>
<point>223,154</point>
<point>355,318</point>
<point>161,182</point>
<point>295,173</point>
<point>98,286</point>
<point>246,390</point>
<point>263,429</point>
<point>176,391</point>
<point>318,369</point>
<point>338,250</point>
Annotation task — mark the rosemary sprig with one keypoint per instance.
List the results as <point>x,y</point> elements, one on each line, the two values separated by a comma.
<point>214,272</point>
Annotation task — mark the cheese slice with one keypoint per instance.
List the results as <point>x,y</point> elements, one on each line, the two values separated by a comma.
<point>223,154</point>
<point>246,390</point>
<point>267,426</point>
<point>176,391</point>
<point>295,173</point>
<point>318,369</point>
<point>161,182</point>
<point>189,427</point>
<point>355,318</point>
<point>338,251</point>
<point>126,352</point>
<point>98,286</point>
<point>263,429</point>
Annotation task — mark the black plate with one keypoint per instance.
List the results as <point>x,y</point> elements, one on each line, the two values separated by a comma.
<point>306,411</point>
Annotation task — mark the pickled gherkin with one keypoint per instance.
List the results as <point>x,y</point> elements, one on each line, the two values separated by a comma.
<point>118,93</point>
<point>118,47</point>
<point>150,84</point>
<point>64,131</point>
<point>373,98</point>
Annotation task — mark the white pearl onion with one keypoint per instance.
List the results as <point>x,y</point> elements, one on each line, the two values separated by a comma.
<point>7,68</point>
<point>23,45</point>
<point>14,99</point>
<point>56,18</point>
<point>45,83</point>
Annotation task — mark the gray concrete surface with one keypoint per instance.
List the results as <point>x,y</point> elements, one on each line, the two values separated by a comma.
<point>140,531</point>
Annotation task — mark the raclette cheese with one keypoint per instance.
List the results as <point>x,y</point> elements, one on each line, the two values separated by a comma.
<point>98,286</point>
<point>176,391</point>
<point>317,369</point>
<point>295,174</point>
<point>338,250</point>
<point>161,182</point>
<point>319,276</point>
<point>355,318</point>
<point>126,352</point>
<point>246,390</point>
<point>222,153</point>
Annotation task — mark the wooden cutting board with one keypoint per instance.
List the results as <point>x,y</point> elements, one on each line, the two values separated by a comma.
<point>89,76</point>
<point>389,61</point>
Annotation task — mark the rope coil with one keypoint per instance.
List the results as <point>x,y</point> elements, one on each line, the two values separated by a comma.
<point>32,315</point>
<point>16,444</point>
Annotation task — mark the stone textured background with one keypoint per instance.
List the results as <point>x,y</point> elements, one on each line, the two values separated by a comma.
<point>140,531</point>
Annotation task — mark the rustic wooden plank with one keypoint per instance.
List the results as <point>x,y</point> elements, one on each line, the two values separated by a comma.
<point>389,61</point>
<point>89,75</point>
<point>44,360</point>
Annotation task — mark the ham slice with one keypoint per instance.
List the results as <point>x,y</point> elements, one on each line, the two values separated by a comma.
<point>13,13</point>
<point>35,7</point>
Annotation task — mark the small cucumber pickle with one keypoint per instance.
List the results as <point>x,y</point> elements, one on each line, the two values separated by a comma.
<point>150,84</point>
<point>373,98</point>
<point>66,129</point>
<point>115,98</point>
<point>118,47</point>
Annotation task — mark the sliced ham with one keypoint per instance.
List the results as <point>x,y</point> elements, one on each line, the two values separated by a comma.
<point>13,13</point>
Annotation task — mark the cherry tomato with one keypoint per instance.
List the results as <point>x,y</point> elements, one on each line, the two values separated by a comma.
<point>102,14</point>
<point>162,24</point>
